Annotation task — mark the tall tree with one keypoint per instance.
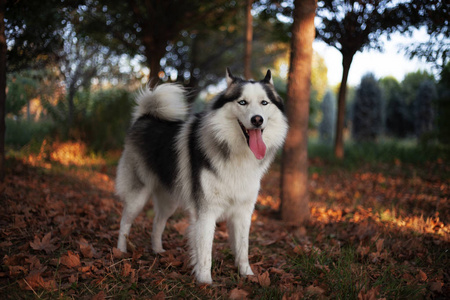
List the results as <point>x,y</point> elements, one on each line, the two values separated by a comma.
<point>434,16</point>
<point>34,31</point>
<point>146,27</point>
<point>3,48</point>
<point>294,176</point>
<point>350,26</point>
<point>326,127</point>
<point>367,109</point>
<point>248,40</point>
<point>423,108</point>
<point>30,36</point>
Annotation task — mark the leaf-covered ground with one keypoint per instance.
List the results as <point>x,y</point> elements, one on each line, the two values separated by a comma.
<point>376,231</point>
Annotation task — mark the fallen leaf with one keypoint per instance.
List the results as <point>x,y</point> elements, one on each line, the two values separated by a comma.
<point>181,226</point>
<point>71,260</point>
<point>436,287</point>
<point>421,276</point>
<point>169,258</point>
<point>379,245</point>
<point>264,279</point>
<point>126,270</point>
<point>35,281</point>
<point>315,290</point>
<point>277,271</point>
<point>371,294</point>
<point>99,296</point>
<point>86,249</point>
<point>299,250</point>
<point>159,296</point>
<point>237,294</point>
<point>45,244</point>
<point>293,296</point>
<point>117,253</point>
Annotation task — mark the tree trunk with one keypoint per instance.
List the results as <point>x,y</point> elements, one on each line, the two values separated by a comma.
<point>154,53</point>
<point>2,88</point>
<point>339,142</point>
<point>248,41</point>
<point>294,176</point>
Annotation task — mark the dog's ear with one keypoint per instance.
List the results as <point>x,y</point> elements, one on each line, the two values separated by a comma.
<point>230,77</point>
<point>268,78</point>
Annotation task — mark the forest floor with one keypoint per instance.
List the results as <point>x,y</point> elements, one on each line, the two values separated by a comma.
<point>376,231</point>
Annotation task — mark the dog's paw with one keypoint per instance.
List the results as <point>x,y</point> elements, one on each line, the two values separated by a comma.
<point>158,250</point>
<point>203,277</point>
<point>246,270</point>
<point>204,280</point>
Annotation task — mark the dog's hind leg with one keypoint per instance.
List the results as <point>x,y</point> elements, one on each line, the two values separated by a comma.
<point>133,204</point>
<point>164,207</point>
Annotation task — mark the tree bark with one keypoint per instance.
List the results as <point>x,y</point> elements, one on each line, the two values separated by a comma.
<point>248,41</point>
<point>2,88</point>
<point>294,176</point>
<point>154,57</point>
<point>339,141</point>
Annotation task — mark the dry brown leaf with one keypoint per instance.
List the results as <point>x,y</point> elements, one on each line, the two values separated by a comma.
<point>372,294</point>
<point>299,250</point>
<point>436,286</point>
<point>117,253</point>
<point>16,270</point>
<point>86,249</point>
<point>126,270</point>
<point>159,296</point>
<point>71,260</point>
<point>181,226</point>
<point>264,279</point>
<point>35,281</point>
<point>277,271</point>
<point>293,296</point>
<point>45,244</point>
<point>421,276</point>
<point>99,296</point>
<point>379,245</point>
<point>315,290</point>
<point>237,294</point>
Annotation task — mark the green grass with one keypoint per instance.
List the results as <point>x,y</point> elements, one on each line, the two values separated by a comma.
<point>345,275</point>
<point>385,151</point>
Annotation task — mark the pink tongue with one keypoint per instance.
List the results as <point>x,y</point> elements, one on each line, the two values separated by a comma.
<point>256,143</point>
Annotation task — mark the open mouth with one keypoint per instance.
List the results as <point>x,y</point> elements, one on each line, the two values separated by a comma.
<point>254,140</point>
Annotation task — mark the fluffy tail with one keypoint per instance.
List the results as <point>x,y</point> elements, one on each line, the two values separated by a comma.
<point>166,101</point>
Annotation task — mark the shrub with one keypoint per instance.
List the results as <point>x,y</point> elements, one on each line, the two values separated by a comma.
<point>108,119</point>
<point>21,132</point>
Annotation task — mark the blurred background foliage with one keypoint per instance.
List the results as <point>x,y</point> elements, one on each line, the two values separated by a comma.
<point>74,67</point>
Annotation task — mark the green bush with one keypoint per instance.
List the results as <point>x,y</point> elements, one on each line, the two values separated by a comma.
<point>107,119</point>
<point>385,151</point>
<point>21,132</point>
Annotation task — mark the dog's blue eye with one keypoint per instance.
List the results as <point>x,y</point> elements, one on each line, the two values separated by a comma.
<point>242,102</point>
<point>264,102</point>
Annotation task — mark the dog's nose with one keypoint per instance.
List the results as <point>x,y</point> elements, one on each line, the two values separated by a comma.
<point>257,120</point>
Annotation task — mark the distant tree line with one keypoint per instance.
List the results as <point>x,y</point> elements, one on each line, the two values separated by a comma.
<point>416,107</point>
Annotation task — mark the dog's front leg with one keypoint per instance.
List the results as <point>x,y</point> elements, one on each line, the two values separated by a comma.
<point>239,226</point>
<point>201,241</point>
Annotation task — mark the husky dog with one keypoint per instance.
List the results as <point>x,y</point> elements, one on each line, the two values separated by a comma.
<point>209,163</point>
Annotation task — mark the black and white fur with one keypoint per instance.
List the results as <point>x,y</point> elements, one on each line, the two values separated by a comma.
<point>201,162</point>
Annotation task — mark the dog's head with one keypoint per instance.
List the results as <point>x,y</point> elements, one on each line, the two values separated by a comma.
<point>255,109</point>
